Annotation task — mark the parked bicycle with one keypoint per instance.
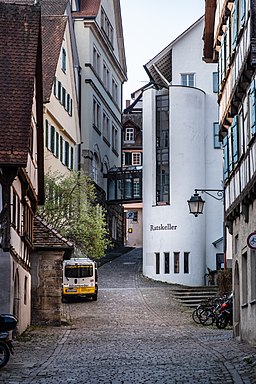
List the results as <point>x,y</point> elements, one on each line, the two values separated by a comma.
<point>207,312</point>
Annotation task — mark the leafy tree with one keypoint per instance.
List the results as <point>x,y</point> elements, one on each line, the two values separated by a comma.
<point>71,208</point>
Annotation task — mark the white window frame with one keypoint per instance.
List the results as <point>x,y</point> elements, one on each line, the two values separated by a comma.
<point>96,60</point>
<point>96,113</point>
<point>129,134</point>
<point>136,158</point>
<point>188,79</point>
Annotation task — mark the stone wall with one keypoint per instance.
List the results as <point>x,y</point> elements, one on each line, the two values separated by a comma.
<point>46,284</point>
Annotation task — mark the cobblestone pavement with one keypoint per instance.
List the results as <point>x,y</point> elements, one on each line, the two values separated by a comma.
<point>135,333</point>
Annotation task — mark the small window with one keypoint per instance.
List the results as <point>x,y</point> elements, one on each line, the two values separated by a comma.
<point>114,138</point>
<point>136,158</point>
<point>188,79</point>
<point>135,216</point>
<point>166,262</point>
<point>129,134</point>
<point>157,263</point>
<point>186,262</point>
<point>215,82</point>
<point>176,261</point>
<point>64,60</point>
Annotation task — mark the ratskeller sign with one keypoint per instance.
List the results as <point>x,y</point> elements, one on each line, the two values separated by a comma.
<point>161,227</point>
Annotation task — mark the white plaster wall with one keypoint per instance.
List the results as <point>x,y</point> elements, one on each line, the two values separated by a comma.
<point>194,164</point>
<point>187,169</point>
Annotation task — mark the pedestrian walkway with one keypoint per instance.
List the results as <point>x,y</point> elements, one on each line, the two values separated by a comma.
<point>135,333</point>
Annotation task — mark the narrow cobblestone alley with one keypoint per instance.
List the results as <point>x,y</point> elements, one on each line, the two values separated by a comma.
<point>135,333</point>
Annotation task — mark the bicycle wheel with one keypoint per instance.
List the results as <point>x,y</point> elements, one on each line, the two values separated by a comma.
<point>206,316</point>
<point>195,316</point>
<point>221,322</point>
<point>4,354</point>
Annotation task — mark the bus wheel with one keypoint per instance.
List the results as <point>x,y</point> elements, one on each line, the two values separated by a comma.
<point>95,297</point>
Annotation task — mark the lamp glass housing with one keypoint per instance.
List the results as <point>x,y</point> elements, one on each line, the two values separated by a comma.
<point>196,205</point>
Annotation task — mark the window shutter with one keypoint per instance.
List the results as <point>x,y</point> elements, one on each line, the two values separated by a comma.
<point>57,145</point>
<point>242,11</point>
<point>235,19</point>
<point>52,139</point>
<point>61,149</point>
<point>230,155</point>
<point>46,134</point>
<point>228,41</point>
<point>252,108</point>
<point>234,129</point>
<point>225,154</point>
<point>71,158</point>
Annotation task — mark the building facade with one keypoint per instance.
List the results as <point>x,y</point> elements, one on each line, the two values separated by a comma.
<point>61,89</point>
<point>132,158</point>
<point>21,153</point>
<point>181,153</point>
<point>99,36</point>
<point>229,40</point>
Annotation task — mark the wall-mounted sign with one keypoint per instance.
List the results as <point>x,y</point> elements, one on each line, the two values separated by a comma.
<point>251,240</point>
<point>129,215</point>
<point>161,227</point>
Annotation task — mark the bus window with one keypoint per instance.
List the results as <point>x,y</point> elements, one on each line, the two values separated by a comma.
<point>78,271</point>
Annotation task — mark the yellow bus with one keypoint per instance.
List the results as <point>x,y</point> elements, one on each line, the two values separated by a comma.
<point>80,279</point>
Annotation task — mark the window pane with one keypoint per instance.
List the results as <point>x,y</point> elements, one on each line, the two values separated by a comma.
<point>166,262</point>
<point>157,263</point>
<point>186,262</point>
<point>176,262</point>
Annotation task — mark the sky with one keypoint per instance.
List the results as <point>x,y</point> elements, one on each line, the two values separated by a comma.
<point>148,27</point>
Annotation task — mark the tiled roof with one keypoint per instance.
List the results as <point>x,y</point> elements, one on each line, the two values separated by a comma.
<point>19,28</point>
<point>88,8</point>
<point>45,236</point>
<point>53,7</point>
<point>53,27</point>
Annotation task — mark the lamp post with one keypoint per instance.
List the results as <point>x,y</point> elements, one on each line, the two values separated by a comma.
<point>196,206</point>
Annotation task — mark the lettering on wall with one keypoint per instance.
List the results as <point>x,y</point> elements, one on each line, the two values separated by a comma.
<point>161,227</point>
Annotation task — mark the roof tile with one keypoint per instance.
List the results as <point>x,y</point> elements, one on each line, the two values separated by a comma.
<point>20,26</point>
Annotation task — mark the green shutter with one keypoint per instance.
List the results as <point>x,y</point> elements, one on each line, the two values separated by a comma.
<point>46,133</point>
<point>235,22</point>
<point>57,145</point>
<point>52,139</point>
<point>61,149</point>
<point>242,12</point>
<point>225,154</point>
<point>252,108</point>
<point>234,129</point>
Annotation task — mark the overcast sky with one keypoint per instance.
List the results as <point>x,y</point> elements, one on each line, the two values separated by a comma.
<point>149,26</point>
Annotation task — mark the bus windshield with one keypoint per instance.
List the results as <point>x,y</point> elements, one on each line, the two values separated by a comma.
<point>78,271</point>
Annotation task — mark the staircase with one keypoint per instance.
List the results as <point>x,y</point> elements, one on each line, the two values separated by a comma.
<point>192,296</point>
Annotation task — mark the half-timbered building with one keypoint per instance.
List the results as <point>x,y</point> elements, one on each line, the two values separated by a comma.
<point>230,41</point>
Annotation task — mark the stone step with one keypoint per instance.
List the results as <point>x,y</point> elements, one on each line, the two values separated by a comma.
<point>192,296</point>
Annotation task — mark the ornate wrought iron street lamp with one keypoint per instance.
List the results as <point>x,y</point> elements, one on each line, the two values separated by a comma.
<point>196,203</point>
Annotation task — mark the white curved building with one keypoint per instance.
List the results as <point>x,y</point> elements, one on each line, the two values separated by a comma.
<point>181,154</point>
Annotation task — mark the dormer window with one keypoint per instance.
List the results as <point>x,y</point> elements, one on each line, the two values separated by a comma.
<point>129,134</point>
